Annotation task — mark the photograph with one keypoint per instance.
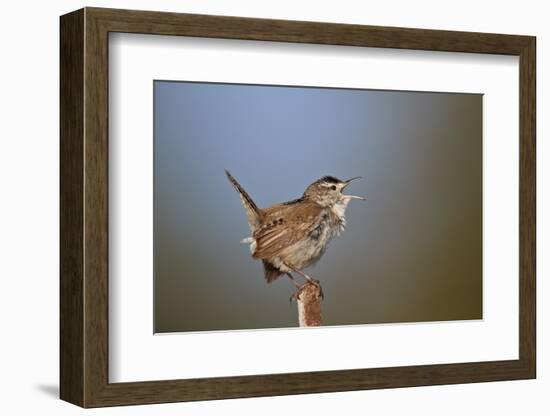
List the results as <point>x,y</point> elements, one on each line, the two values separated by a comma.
<point>270,202</point>
<point>263,194</point>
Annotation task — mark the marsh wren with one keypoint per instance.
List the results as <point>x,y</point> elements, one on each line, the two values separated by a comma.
<point>291,236</point>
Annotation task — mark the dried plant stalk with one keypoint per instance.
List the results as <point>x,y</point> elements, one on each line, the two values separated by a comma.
<point>309,305</point>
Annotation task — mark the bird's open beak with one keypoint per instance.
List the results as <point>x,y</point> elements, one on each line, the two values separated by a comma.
<point>350,180</point>
<point>349,197</point>
<point>354,197</point>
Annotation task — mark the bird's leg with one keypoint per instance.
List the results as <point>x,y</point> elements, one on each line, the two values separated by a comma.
<point>309,281</point>
<point>295,295</point>
<point>293,280</point>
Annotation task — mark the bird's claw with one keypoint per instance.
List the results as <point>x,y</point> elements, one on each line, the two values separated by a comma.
<point>296,295</point>
<point>318,284</point>
<point>321,293</point>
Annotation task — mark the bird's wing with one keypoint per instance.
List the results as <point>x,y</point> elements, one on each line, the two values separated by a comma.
<point>281,231</point>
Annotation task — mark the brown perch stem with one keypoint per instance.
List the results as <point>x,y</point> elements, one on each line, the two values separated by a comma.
<point>309,305</point>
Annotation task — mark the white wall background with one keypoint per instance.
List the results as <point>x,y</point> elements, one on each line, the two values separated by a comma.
<point>29,207</point>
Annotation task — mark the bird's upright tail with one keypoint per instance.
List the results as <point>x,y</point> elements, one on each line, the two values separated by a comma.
<point>253,213</point>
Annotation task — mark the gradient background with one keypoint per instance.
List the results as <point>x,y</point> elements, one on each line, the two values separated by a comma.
<point>412,252</point>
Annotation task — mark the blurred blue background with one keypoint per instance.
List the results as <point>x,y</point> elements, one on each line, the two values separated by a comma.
<point>411,252</point>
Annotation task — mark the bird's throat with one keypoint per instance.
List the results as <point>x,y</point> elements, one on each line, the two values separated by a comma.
<point>339,209</point>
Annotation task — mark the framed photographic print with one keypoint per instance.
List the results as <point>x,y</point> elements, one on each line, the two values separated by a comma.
<point>255,207</point>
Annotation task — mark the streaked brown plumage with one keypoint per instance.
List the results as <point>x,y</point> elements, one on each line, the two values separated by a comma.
<point>291,236</point>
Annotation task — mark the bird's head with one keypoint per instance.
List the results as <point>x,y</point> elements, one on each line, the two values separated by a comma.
<point>327,191</point>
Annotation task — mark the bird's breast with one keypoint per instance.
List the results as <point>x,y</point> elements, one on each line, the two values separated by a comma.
<point>309,250</point>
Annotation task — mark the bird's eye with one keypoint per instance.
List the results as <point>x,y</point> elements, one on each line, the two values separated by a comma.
<point>333,187</point>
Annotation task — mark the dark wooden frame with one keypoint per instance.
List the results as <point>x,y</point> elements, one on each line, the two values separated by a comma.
<point>84,209</point>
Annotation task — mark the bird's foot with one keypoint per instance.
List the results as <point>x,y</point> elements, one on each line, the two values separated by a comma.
<point>317,283</point>
<point>300,288</point>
